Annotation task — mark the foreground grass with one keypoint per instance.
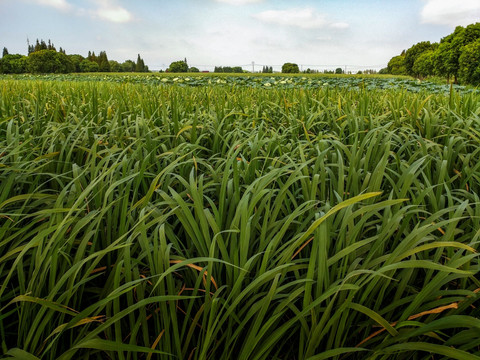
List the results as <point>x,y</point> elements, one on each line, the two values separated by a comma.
<point>139,222</point>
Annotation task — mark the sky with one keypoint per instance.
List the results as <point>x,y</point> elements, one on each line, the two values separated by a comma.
<point>318,34</point>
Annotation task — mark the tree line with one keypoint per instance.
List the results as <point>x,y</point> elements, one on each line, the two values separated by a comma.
<point>44,58</point>
<point>456,56</point>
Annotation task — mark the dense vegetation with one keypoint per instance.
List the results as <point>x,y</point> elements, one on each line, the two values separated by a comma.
<point>276,81</point>
<point>457,56</point>
<point>44,58</point>
<point>236,222</point>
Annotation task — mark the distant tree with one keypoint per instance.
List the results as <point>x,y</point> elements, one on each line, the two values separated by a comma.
<point>76,60</point>
<point>89,66</point>
<point>40,45</point>
<point>49,61</point>
<point>92,57</point>
<point>193,69</point>
<point>469,64</point>
<point>5,52</point>
<point>383,71</point>
<point>115,66</point>
<point>178,67</point>
<point>13,64</point>
<point>140,65</point>
<point>128,66</point>
<point>50,46</point>
<point>237,70</point>
<point>396,66</point>
<point>338,71</point>
<point>102,61</point>
<point>290,68</point>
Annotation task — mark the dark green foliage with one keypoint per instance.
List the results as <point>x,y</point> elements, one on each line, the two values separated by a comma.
<point>414,53</point>
<point>140,65</point>
<point>451,48</point>
<point>396,66</point>
<point>425,64</point>
<point>128,66</point>
<point>89,66</point>
<point>267,70</point>
<point>5,52</point>
<point>424,59</point>
<point>103,64</point>
<point>178,67</point>
<point>115,66</point>
<point>469,64</point>
<point>92,57</point>
<point>13,64</point>
<point>49,61</point>
<point>193,69</point>
<point>228,69</point>
<point>338,71</point>
<point>76,60</point>
<point>290,68</point>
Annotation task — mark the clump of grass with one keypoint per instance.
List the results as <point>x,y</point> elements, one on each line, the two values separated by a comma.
<point>141,222</point>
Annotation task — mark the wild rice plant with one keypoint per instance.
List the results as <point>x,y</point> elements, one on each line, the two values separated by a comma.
<point>146,222</point>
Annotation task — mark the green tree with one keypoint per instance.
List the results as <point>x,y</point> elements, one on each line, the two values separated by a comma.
<point>89,66</point>
<point>13,64</point>
<point>178,67</point>
<point>140,65</point>
<point>128,66</point>
<point>414,53</point>
<point>115,66</point>
<point>396,66</point>
<point>92,57</point>
<point>425,64</point>
<point>49,61</point>
<point>290,68</point>
<point>102,61</point>
<point>5,52</point>
<point>447,57</point>
<point>338,71</point>
<point>469,64</point>
<point>76,60</point>
<point>193,69</point>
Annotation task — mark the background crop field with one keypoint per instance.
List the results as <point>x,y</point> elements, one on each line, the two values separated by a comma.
<point>150,221</point>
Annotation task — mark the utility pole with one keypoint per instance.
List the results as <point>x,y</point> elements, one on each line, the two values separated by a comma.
<point>253,66</point>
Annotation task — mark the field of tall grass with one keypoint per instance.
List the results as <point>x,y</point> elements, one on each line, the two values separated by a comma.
<point>165,222</point>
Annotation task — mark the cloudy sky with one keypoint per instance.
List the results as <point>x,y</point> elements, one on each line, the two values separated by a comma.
<point>357,33</point>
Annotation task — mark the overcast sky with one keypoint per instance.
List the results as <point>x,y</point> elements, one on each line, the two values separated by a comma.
<point>235,32</point>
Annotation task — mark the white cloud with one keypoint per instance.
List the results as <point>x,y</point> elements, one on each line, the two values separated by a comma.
<point>451,13</point>
<point>305,18</point>
<point>239,2</point>
<point>110,11</point>
<point>339,25</point>
<point>114,14</point>
<point>57,4</point>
